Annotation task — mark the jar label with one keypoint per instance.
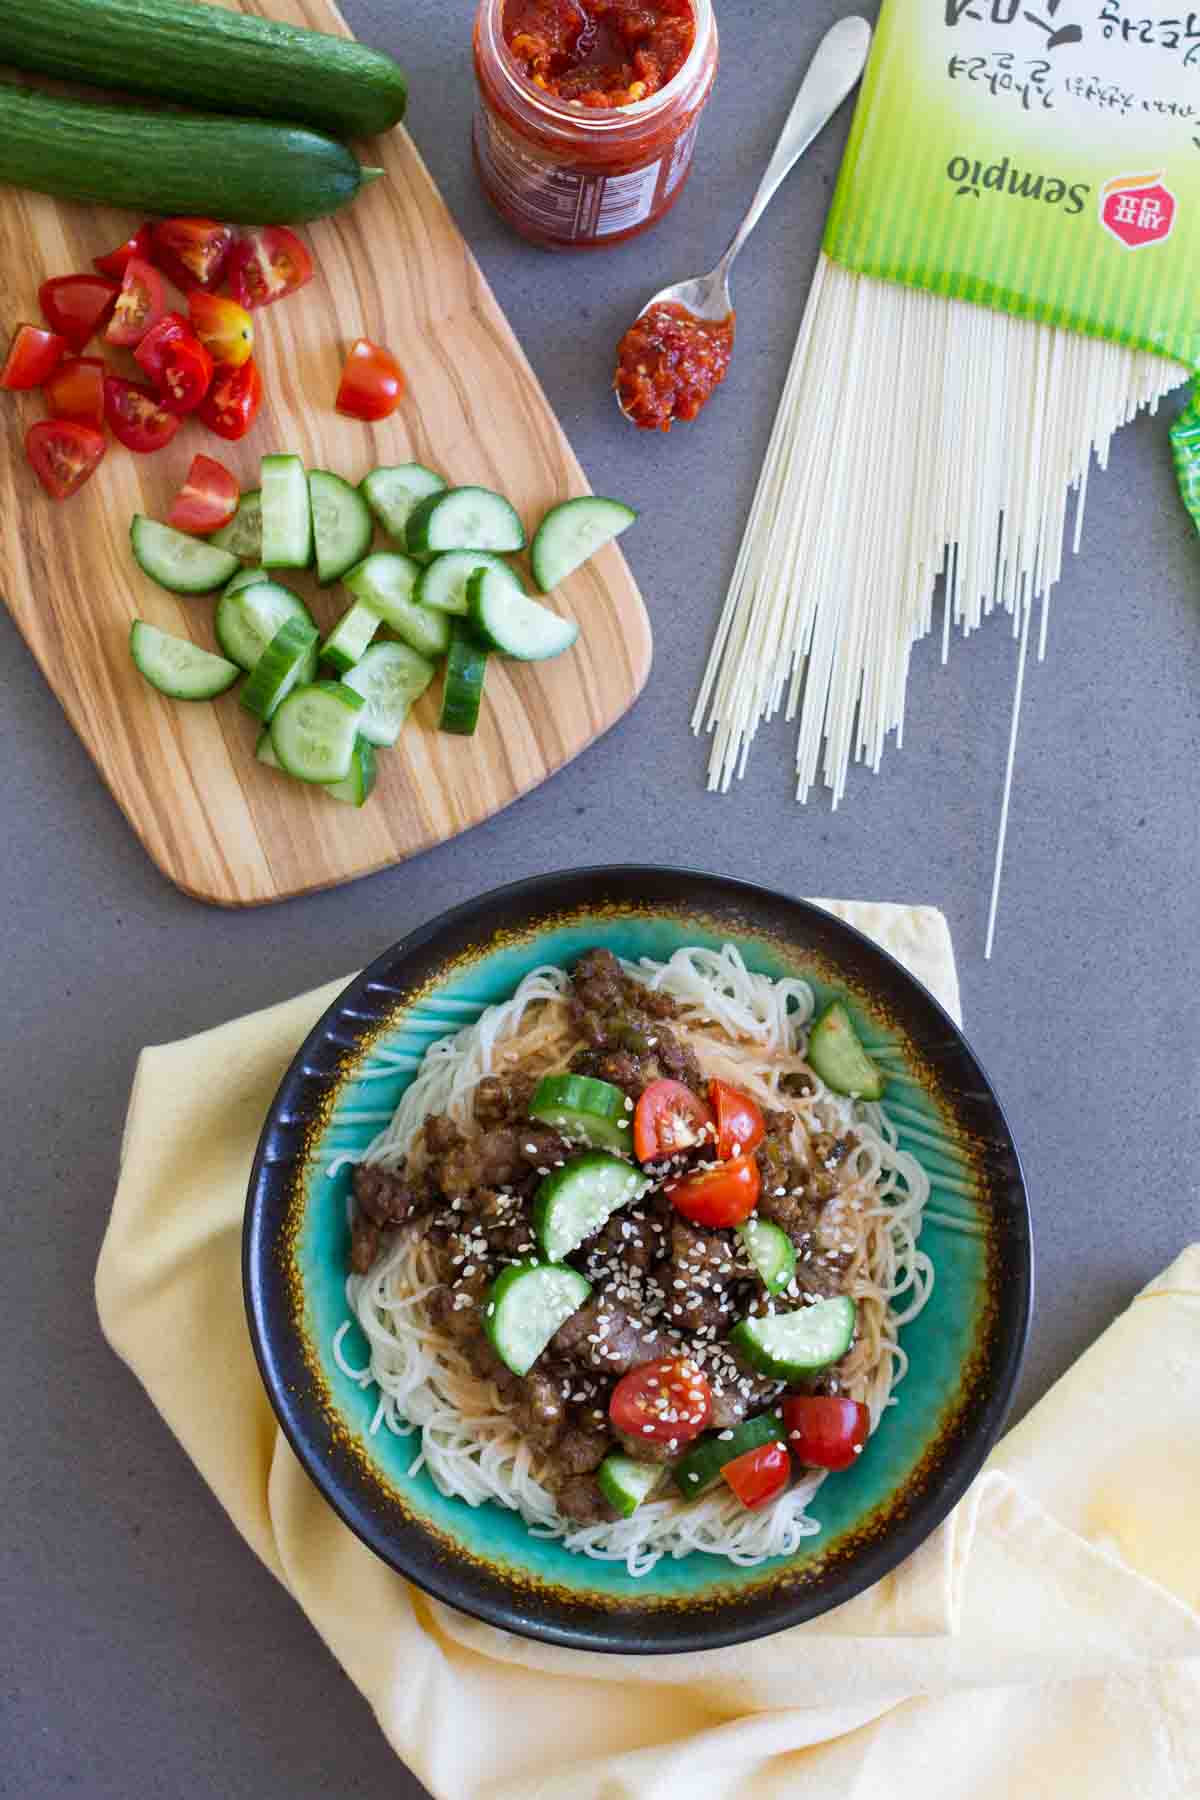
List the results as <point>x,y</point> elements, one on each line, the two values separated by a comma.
<point>564,204</point>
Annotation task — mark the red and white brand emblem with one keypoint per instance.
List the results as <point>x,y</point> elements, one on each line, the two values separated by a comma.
<point>1137,210</point>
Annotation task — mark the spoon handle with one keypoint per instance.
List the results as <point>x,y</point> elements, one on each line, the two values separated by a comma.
<point>833,71</point>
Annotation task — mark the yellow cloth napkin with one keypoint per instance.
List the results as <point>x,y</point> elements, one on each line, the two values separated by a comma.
<point>1044,1643</point>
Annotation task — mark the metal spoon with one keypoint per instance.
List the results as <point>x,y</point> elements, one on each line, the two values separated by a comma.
<point>835,68</point>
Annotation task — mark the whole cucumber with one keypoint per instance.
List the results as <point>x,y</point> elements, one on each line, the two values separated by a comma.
<point>246,171</point>
<point>207,57</point>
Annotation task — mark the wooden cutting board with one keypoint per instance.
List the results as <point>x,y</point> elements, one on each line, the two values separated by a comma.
<point>392,267</point>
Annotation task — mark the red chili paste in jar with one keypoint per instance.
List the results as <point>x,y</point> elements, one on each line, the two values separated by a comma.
<point>668,364</point>
<point>600,53</point>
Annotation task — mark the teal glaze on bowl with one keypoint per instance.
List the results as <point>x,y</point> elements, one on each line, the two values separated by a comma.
<point>964,1347</point>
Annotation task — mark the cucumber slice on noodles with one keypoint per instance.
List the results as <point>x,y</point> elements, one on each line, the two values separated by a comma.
<point>351,637</point>
<point>387,582</point>
<point>625,1484</point>
<point>389,677</point>
<point>792,1345</point>
<point>393,494</point>
<point>247,618</point>
<point>176,666</point>
<point>443,584</point>
<point>462,694</point>
<point>771,1251</point>
<point>465,518</point>
<point>583,1109</point>
<point>243,534</point>
<point>182,564</point>
<point>838,1057</point>
<point>573,1203</point>
<point>701,1468</point>
<point>571,533</point>
<point>287,662</point>
<point>510,622</point>
<point>314,730</point>
<point>341,524</point>
<point>525,1306</point>
<point>287,537</point>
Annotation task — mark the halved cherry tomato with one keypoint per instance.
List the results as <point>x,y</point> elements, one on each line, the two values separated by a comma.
<point>669,1118</point>
<point>740,1127</point>
<point>117,261</point>
<point>824,1431</point>
<point>136,416</point>
<point>32,357</point>
<point>224,328</point>
<point>63,454</point>
<point>76,390</point>
<point>759,1476</point>
<point>208,498</point>
<point>664,1400</point>
<point>372,382</point>
<point>176,362</point>
<point>140,303</point>
<point>723,1195</point>
<point>267,265</point>
<point>231,404</point>
<point>76,306</point>
<point>191,252</point>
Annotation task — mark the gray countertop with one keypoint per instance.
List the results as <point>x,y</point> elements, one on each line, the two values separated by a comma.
<point>144,1650</point>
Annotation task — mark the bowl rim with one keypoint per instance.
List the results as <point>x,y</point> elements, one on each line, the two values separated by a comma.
<point>449,1579</point>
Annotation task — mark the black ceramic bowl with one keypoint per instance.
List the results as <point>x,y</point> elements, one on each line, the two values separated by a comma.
<point>964,1348</point>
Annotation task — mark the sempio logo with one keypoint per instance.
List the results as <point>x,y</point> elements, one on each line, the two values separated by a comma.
<point>1005,179</point>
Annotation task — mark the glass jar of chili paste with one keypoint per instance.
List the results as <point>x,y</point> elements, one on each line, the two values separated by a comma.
<point>588,112</point>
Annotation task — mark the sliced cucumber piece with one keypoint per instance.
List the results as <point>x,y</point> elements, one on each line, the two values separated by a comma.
<point>771,1251</point>
<point>313,732</point>
<point>525,1306</point>
<point>792,1345</point>
<point>572,532</point>
<point>443,584</point>
<point>287,662</point>
<point>355,789</point>
<point>462,694</point>
<point>351,637</point>
<point>185,565</point>
<point>246,578</point>
<point>393,493</point>
<point>625,1484</point>
<point>248,617</point>
<point>838,1057</point>
<point>573,1203</point>
<point>387,582</point>
<point>507,621</point>
<point>701,1468</point>
<point>389,677</point>
<point>176,666</point>
<point>465,518</point>
<point>287,534</point>
<point>585,1110</point>
<point>243,534</point>
<point>341,524</point>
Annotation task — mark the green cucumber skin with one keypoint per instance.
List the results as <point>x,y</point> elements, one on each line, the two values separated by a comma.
<point>778,1363</point>
<point>205,56</point>
<point>245,171</point>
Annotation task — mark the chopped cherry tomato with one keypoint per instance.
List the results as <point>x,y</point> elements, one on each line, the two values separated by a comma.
<point>224,328</point>
<point>191,252</point>
<point>740,1127</point>
<point>140,304</point>
<point>664,1400</point>
<point>669,1118</point>
<point>63,454</point>
<point>76,306</point>
<point>32,357</point>
<point>825,1431</point>
<point>724,1195</point>
<point>117,261</point>
<point>759,1476</point>
<point>76,390</point>
<point>136,416</point>
<point>372,382</point>
<point>231,404</point>
<point>267,265</point>
<point>176,362</point>
<point>208,498</point>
